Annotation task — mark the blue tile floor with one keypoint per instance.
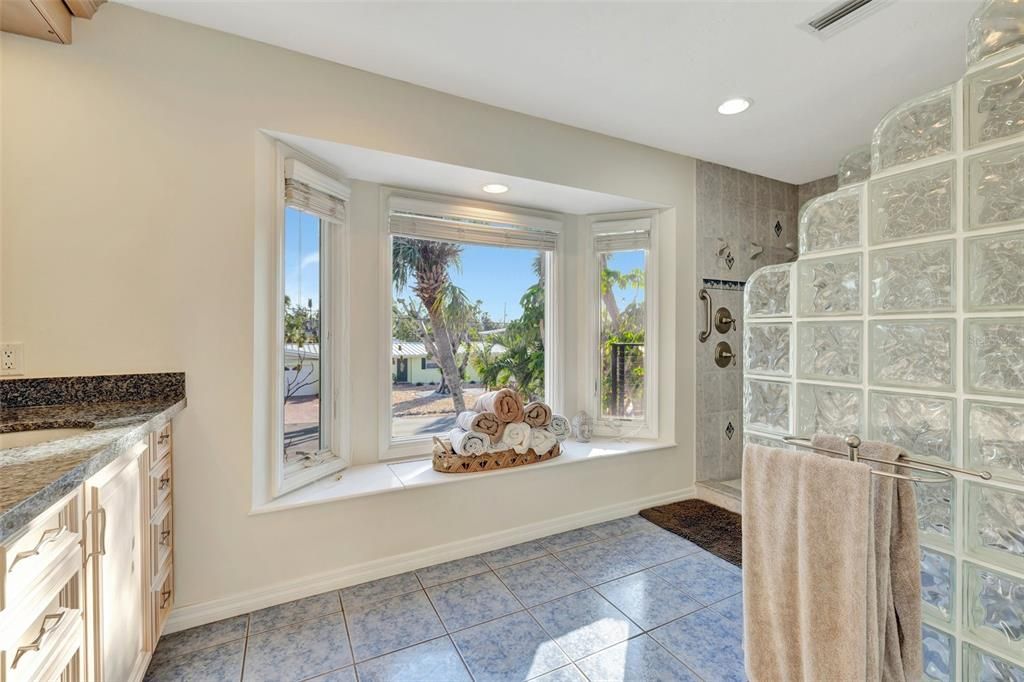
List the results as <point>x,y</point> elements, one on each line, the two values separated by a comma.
<point>620,600</point>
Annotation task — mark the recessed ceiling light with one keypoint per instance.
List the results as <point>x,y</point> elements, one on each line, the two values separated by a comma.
<point>737,105</point>
<point>495,188</point>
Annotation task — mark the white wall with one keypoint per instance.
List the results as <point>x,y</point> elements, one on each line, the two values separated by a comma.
<point>130,178</point>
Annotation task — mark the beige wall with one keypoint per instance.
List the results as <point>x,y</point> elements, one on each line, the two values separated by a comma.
<point>129,164</point>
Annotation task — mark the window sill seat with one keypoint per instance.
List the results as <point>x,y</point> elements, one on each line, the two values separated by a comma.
<point>386,477</point>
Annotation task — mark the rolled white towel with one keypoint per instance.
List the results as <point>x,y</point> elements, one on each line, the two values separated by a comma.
<point>517,437</point>
<point>468,442</point>
<point>560,426</point>
<point>542,440</point>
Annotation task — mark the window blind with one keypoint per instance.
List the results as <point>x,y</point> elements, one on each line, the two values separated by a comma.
<point>443,229</point>
<point>298,194</point>
<point>639,240</point>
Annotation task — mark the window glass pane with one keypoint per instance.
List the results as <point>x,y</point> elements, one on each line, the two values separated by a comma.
<point>466,318</point>
<point>304,435</point>
<point>623,331</point>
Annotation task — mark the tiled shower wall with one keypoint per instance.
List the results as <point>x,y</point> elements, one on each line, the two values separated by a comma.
<point>744,222</point>
<point>903,321</point>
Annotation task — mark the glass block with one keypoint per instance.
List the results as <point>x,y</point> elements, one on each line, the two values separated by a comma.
<point>916,278</point>
<point>995,355</point>
<point>935,504</point>
<point>995,102</point>
<point>766,405</point>
<point>921,425</point>
<point>995,271</point>
<point>831,221</point>
<point>937,583</point>
<point>995,524</point>
<point>767,292</point>
<point>829,350</point>
<point>997,26</point>
<point>981,666</point>
<point>765,440</point>
<point>995,188</point>
<point>918,129</point>
<point>855,166</point>
<point>766,349</point>
<point>915,353</point>
<point>938,650</point>
<point>828,409</point>
<point>995,438</point>
<point>994,607</point>
<point>913,204</point>
<point>829,286</point>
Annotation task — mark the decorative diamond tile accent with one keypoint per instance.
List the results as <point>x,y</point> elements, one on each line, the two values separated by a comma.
<point>729,260</point>
<point>778,228</point>
<point>995,102</point>
<point>995,188</point>
<point>995,439</point>
<point>994,607</point>
<point>914,278</point>
<point>921,425</point>
<point>995,525</point>
<point>995,272</point>
<point>729,430</point>
<point>829,351</point>
<point>921,128</point>
<point>995,355</point>
<point>913,204</point>
<point>831,221</point>
<point>829,286</point>
<point>916,353</point>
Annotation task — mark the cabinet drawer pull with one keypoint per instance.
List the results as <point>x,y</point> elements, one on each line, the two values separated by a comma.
<point>165,536</point>
<point>164,437</point>
<point>166,594</point>
<point>50,623</point>
<point>102,513</point>
<point>164,482</point>
<point>48,536</point>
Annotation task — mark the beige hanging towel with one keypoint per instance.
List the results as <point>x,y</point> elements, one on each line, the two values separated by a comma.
<point>806,532</point>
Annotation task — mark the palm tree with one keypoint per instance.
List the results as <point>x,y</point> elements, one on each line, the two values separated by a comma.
<point>426,263</point>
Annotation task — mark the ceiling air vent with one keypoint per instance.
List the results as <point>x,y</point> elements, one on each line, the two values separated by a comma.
<point>838,17</point>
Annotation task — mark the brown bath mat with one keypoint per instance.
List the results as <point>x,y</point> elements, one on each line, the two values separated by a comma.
<point>717,530</point>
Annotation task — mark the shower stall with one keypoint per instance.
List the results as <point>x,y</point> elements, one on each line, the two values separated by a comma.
<point>903,320</point>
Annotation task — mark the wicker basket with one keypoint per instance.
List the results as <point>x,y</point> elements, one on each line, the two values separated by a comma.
<point>448,462</point>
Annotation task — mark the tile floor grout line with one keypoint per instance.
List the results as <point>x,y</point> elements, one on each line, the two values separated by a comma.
<point>348,636</point>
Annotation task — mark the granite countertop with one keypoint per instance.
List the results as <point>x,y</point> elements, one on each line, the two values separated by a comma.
<point>34,477</point>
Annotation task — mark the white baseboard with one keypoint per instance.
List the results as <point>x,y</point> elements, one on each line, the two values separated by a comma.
<point>191,615</point>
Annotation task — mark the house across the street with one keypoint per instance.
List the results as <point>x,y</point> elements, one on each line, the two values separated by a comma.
<point>411,364</point>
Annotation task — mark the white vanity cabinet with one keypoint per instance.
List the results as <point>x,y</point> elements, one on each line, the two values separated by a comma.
<point>86,587</point>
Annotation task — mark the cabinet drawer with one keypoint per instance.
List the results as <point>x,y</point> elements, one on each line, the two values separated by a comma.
<point>163,602</point>
<point>43,638</point>
<point>162,443</point>
<point>160,485</point>
<point>28,558</point>
<point>161,540</point>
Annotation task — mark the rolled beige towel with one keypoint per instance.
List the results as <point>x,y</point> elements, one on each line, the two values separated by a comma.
<point>542,440</point>
<point>517,437</point>
<point>560,426</point>
<point>537,414</point>
<point>506,404</point>
<point>468,442</point>
<point>482,422</point>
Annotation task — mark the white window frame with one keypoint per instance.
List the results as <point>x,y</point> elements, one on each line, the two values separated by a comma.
<point>392,198</point>
<point>606,225</point>
<point>334,324</point>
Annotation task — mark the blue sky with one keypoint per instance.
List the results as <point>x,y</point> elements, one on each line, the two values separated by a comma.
<point>497,276</point>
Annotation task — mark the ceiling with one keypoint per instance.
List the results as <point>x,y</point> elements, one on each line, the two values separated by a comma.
<point>650,72</point>
<point>371,165</point>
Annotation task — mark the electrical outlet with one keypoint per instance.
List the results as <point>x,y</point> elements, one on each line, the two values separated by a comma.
<point>11,359</point>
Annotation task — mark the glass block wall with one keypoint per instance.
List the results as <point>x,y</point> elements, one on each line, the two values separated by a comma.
<point>903,320</point>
